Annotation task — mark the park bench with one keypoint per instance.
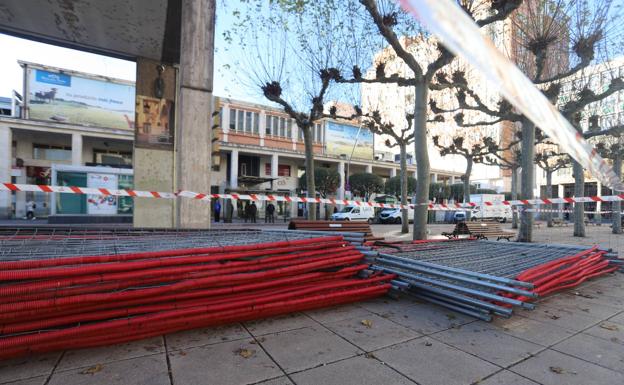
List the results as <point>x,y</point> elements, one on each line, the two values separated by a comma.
<point>486,230</point>
<point>339,226</point>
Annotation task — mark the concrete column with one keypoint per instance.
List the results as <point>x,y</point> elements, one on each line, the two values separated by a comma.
<point>393,172</point>
<point>369,168</point>
<point>274,169</point>
<point>195,107</point>
<point>561,205</point>
<point>6,138</point>
<point>452,179</point>
<point>341,187</point>
<point>262,126</point>
<point>225,121</point>
<point>598,217</point>
<point>234,169</point>
<point>434,178</point>
<point>76,150</point>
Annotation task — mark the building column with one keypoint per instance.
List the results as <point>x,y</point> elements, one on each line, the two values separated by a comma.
<point>561,205</point>
<point>274,169</point>
<point>193,166</point>
<point>369,168</point>
<point>225,121</point>
<point>234,170</point>
<point>598,217</point>
<point>434,178</point>
<point>341,187</point>
<point>393,172</point>
<point>76,150</point>
<point>262,126</point>
<point>452,179</point>
<point>6,140</point>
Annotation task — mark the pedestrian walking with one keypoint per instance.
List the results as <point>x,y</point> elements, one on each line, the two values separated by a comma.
<point>270,213</point>
<point>253,210</point>
<point>217,211</point>
<point>30,209</point>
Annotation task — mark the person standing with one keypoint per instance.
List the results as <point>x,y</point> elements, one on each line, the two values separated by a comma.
<point>217,210</point>
<point>270,213</point>
<point>253,210</point>
<point>30,209</point>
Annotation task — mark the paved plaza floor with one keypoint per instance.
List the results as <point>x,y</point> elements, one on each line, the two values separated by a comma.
<point>576,337</point>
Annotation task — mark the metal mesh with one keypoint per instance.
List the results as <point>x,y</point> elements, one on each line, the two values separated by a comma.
<point>41,243</point>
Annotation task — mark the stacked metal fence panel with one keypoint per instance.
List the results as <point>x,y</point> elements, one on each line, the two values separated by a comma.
<point>114,286</point>
<point>483,278</point>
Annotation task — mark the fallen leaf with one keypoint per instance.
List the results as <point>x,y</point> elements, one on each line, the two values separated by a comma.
<point>428,343</point>
<point>451,317</point>
<point>94,369</point>
<point>366,322</point>
<point>556,369</point>
<point>182,353</point>
<point>370,355</point>
<point>611,327</point>
<point>245,353</point>
<point>554,316</point>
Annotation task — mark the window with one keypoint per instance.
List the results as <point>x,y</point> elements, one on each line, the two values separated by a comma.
<point>47,152</point>
<point>241,121</point>
<point>289,128</point>
<point>268,125</point>
<point>282,131</point>
<point>248,121</point>
<point>256,123</point>
<point>318,137</point>
<point>282,169</point>
<point>232,119</point>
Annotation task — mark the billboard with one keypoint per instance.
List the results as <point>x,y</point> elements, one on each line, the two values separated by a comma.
<point>340,139</point>
<point>97,204</point>
<point>65,97</point>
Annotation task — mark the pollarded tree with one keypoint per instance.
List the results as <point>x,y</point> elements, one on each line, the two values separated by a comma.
<point>549,159</point>
<point>326,182</point>
<point>393,186</point>
<point>365,184</point>
<point>421,58</point>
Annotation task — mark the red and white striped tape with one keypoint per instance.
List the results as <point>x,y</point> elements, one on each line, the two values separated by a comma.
<point>276,198</point>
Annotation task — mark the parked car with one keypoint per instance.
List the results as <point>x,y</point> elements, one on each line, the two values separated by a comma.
<point>394,216</point>
<point>355,213</point>
<point>459,216</point>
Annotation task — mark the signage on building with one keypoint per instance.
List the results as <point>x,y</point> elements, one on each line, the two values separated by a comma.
<point>340,140</point>
<point>154,125</point>
<point>102,204</point>
<point>66,97</point>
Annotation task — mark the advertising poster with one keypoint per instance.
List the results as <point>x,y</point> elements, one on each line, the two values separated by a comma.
<point>103,205</point>
<point>154,122</point>
<point>340,139</point>
<point>64,98</point>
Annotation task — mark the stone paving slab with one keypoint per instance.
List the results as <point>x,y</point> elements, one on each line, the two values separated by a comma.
<point>27,367</point>
<point>339,313</point>
<point>505,377</point>
<point>31,381</point>
<point>619,318</point>
<point>538,332</point>
<point>279,324</point>
<point>568,319</point>
<point>593,349</point>
<point>306,348</point>
<point>88,357</point>
<point>553,368</point>
<point>430,362</point>
<point>149,370</point>
<point>277,381</point>
<point>609,331</point>
<point>372,332</point>
<point>234,362</point>
<point>582,306</point>
<point>207,336</point>
<point>358,370</point>
<point>489,343</point>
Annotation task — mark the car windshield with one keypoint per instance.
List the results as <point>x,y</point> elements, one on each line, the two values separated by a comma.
<point>388,211</point>
<point>346,209</point>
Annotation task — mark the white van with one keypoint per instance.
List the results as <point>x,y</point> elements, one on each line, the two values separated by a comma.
<point>395,216</point>
<point>355,213</point>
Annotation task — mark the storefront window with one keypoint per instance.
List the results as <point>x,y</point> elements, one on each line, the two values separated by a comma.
<point>47,152</point>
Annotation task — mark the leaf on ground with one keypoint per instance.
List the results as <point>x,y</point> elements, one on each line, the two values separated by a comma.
<point>94,369</point>
<point>611,327</point>
<point>554,317</point>
<point>451,317</point>
<point>428,343</point>
<point>556,369</point>
<point>245,353</point>
<point>370,355</point>
<point>366,322</point>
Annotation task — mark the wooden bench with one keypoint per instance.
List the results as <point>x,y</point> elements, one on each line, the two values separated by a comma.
<point>340,226</point>
<point>460,229</point>
<point>559,222</point>
<point>486,230</point>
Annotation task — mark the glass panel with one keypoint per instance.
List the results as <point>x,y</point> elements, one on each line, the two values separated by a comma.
<point>256,123</point>
<point>248,121</point>
<point>267,127</point>
<point>241,121</point>
<point>289,128</point>
<point>282,127</point>
<point>232,119</point>
<point>275,126</point>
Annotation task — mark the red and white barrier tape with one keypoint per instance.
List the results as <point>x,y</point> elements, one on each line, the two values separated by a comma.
<point>461,35</point>
<point>275,198</point>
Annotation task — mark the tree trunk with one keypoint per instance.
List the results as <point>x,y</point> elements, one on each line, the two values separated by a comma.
<point>548,196</point>
<point>616,207</point>
<point>514,196</point>
<point>404,216</point>
<point>528,179</point>
<point>579,208</point>
<point>422,161</point>
<point>309,165</point>
<point>467,186</point>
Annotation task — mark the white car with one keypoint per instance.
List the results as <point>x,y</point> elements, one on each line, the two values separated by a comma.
<point>394,216</point>
<point>355,213</point>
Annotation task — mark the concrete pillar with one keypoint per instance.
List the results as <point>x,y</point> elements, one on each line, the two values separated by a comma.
<point>434,178</point>
<point>341,187</point>
<point>225,121</point>
<point>234,169</point>
<point>274,169</point>
<point>561,205</point>
<point>369,168</point>
<point>6,139</point>
<point>452,179</point>
<point>262,127</point>
<point>393,172</point>
<point>76,150</point>
<point>598,217</point>
<point>195,107</point>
